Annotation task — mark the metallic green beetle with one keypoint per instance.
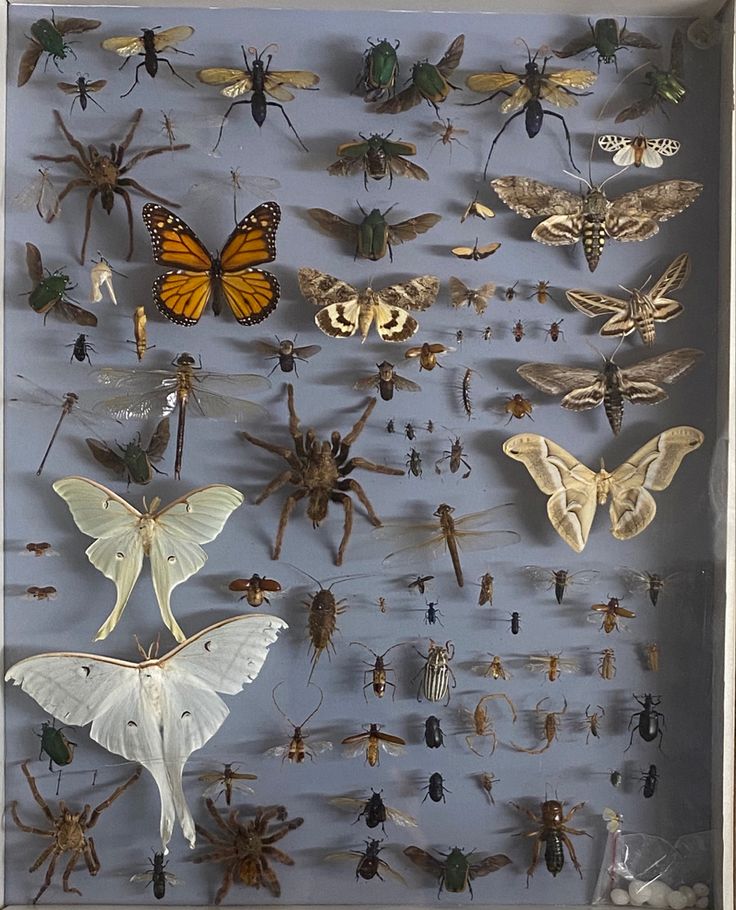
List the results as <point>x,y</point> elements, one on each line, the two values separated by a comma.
<point>54,744</point>
<point>377,156</point>
<point>49,291</point>
<point>133,462</point>
<point>664,85</point>
<point>47,36</point>
<point>380,69</point>
<point>374,235</point>
<point>455,871</point>
<point>605,39</point>
<point>428,81</point>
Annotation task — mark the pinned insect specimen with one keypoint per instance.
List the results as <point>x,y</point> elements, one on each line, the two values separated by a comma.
<point>530,89</point>
<point>592,217</point>
<point>494,670</point>
<point>377,156</point>
<point>616,778</point>
<point>483,725</point>
<point>477,210</point>
<point>157,876</point>
<point>462,295</point>
<point>541,292</point>
<point>456,457</point>
<point>554,332</point>
<point>559,579</point>
<point>611,611</point>
<point>55,745</point>
<point>584,389</point>
<point>322,622</point>
<point>429,81</point>
<point>414,463</point>
<point>345,310</point>
<point>449,534</point>
<point>49,291</point>
<point>374,811</point>
<point>246,848</point>
<point>519,407</point>
<point>200,277</point>
<point>592,722</point>
<point>370,741</point>
<point>448,134</point>
<point>518,331</point>
<point>465,392</point>
<point>257,588</point>
<point>552,665</point>
<point>39,549</point>
<point>649,782</point>
<point>485,595</point>
<point>83,91</point>
<point>386,381</point>
<point>297,749</point>
<point>433,735</point>
<point>67,831</point>
<point>420,583</point>
<point>649,722</point>
<point>378,672</point>
<point>663,85</point>
<point>650,582</point>
<point>47,37</point>
<point>550,727</point>
<point>554,832</point>
<point>225,782</point>
<point>390,426</point>
<point>140,332</point>
<point>286,353</point>
<point>168,127</point>
<point>409,431</point>
<point>374,236</point>
<point>432,614</point>
<point>575,490</point>
<point>67,405</point>
<point>171,537</point>
<point>612,818</point>
<point>511,291</point>
<point>475,252</point>
<point>380,69</point>
<point>382,605</point>
<point>436,788</point>
<point>606,38</point>
<point>81,349</point>
<point>250,184</point>
<point>487,779</point>
<point>370,863</point>
<point>607,664</point>
<point>46,593</point>
<point>132,462</point>
<point>40,194</point>
<point>455,870</point>
<point>260,80</point>
<point>101,275</point>
<point>150,393</point>
<point>106,174</point>
<point>149,45</point>
<point>643,310</point>
<point>427,354</point>
<point>436,673</point>
<point>638,150</point>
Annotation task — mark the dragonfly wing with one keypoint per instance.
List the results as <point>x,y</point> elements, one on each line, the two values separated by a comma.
<point>135,380</point>
<point>476,520</point>
<point>125,407</point>
<point>204,403</point>
<point>473,541</point>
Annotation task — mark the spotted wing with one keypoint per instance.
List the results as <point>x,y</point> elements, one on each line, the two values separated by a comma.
<point>320,288</point>
<point>251,293</point>
<point>394,324</point>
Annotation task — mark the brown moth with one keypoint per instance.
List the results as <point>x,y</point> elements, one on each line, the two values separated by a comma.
<point>591,216</point>
<point>585,388</point>
<point>462,295</point>
<point>345,310</point>
<point>642,310</point>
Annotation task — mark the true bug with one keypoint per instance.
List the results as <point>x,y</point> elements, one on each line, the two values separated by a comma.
<point>607,664</point>
<point>606,38</point>
<point>380,69</point>
<point>157,876</point>
<point>225,781</point>
<point>541,292</point>
<point>420,583</point>
<point>82,91</point>
<point>48,592</point>
<point>483,726</point>
<point>377,673</point>
<point>533,87</point>
<point>436,672</point>
<point>554,332</point>
<point>296,750</point>
<point>55,745</point>
<point>433,735</point>
<point>517,330</point>
<point>649,722</point>
<point>553,832</point>
<point>651,656</point>
<point>551,727</point>
<point>611,611</point>
<point>436,788</point>
<point>148,45</point>
<point>593,722</point>
<point>455,870</point>
<point>374,811</point>
<point>649,782</point>
<point>455,456</point>
<point>487,779</point>
<point>414,463</point>
<point>370,741</point>
<point>81,349</point>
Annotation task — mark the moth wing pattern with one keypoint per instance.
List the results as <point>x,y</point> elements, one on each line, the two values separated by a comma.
<point>641,382</point>
<point>583,388</point>
<point>340,320</point>
<point>532,198</point>
<point>320,288</point>
<point>658,201</point>
<point>673,278</point>
<point>417,294</point>
<point>559,230</point>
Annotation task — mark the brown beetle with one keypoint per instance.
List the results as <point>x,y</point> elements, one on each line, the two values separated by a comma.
<point>256,587</point>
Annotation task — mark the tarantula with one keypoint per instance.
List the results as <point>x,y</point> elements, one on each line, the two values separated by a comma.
<point>68,832</point>
<point>319,469</point>
<point>245,848</point>
<point>104,175</point>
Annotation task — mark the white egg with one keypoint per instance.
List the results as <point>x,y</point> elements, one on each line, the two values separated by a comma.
<point>677,900</point>
<point>638,892</point>
<point>702,902</point>
<point>619,897</point>
<point>659,894</point>
<point>701,889</point>
<point>689,894</point>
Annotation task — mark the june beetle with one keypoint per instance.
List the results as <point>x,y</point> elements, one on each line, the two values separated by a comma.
<point>49,291</point>
<point>380,69</point>
<point>455,871</point>
<point>377,156</point>
<point>47,37</point>
<point>428,81</point>
<point>374,235</point>
<point>133,462</point>
<point>606,37</point>
<point>54,744</point>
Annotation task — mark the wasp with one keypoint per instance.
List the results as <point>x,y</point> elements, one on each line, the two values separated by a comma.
<point>377,673</point>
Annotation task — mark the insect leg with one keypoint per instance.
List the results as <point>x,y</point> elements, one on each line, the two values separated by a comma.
<point>226,115</point>
<point>573,856</point>
<point>356,488</point>
<point>498,136</point>
<point>567,135</point>
<point>129,209</point>
<point>291,125</point>
<point>142,63</point>
<point>168,63</point>
<point>289,504</point>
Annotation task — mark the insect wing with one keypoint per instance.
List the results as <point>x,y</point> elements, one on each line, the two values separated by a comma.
<point>519,98</point>
<point>532,198</point>
<point>106,457</point>
<point>125,45</point>
<point>173,241</point>
<point>403,168</point>
<point>657,147</point>
<point>622,147</point>
<point>171,36</point>
<point>585,388</point>
<point>73,313</point>
<point>417,294</point>
<point>334,224</point>
<point>41,195</point>
<point>28,61</point>
<point>425,861</point>
<point>673,278</point>
<point>593,304</point>
<point>577,79</point>
<point>320,289</point>
<point>405,385</point>
<point>236,81</point>
<point>613,820</point>
<point>403,231</point>
<point>218,786</point>
<point>159,441</point>
<point>400,818</point>
<point>491,82</point>
<point>394,324</point>
<point>658,202</point>
<point>488,865</point>
<point>404,101</point>
<point>640,383</point>
<point>339,320</point>
<point>206,403</point>
<point>452,55</point>
<point>577,45</point>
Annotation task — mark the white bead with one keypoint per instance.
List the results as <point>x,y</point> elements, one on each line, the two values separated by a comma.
<point>638,892</point>
<point>619,897</point>
<point>701,889</point>
<point>689,894</point>
<point>659,894</point>
<point>702,902</point>
<point>677,900</point>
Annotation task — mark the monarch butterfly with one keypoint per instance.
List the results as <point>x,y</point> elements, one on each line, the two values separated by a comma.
<point>182,293</point>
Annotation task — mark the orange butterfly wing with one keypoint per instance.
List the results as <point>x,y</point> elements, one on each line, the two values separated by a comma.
<point>182,294</point>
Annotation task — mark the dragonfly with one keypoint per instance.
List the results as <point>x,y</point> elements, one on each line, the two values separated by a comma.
<point>67,405</point>
<point>187,389</point>
<point>448,534</point>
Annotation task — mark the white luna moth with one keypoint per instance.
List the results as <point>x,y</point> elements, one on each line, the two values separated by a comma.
<point>170,537</point>
<point>159,711</point>
<point>575,491</point>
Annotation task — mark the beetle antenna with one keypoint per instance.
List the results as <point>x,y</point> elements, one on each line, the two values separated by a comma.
<point>321,699</point>
<point>273,696</point>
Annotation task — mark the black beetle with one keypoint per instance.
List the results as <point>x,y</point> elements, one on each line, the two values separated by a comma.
<point>515,623</point>
<point>433,735</point>
<point>649,721</point>
<point>374,811</point>
<point>436,788</point>
<point>649,782</point>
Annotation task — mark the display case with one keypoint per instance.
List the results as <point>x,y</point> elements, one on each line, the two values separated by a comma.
<point>610,691</point>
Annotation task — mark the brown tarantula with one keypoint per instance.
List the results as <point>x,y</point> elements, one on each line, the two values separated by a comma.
<point>68,832</point>
<point>319,469</point>
<point>103,174</point>
<point>246,848</point>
